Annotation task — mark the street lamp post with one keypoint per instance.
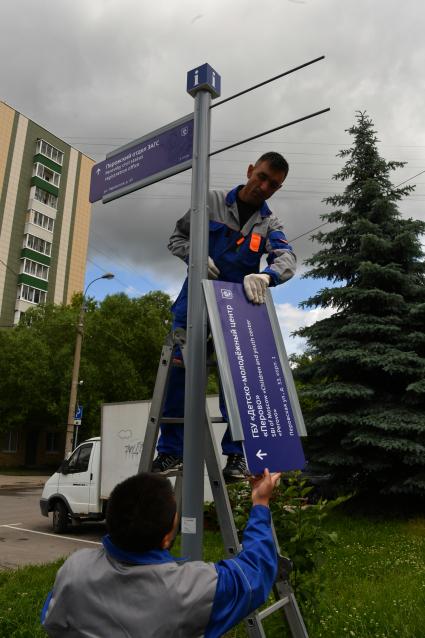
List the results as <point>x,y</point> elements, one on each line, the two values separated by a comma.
<point>76,367</point>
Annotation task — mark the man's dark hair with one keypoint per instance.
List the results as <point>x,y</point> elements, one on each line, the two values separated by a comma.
<point>276,161</point>
<point>140,512</point>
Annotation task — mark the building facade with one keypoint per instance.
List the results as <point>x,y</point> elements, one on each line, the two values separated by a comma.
<point>44,216</point>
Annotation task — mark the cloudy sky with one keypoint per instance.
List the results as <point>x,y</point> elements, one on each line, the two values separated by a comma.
<point>101,73</point>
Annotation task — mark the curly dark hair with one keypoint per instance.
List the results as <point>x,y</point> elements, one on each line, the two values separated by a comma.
<point>140,512</point>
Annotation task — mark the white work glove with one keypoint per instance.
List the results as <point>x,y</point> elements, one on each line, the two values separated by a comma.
<point>255,287</point>
<point>213,271</point>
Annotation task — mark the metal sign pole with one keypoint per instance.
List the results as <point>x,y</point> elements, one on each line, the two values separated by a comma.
<point>202,83</point>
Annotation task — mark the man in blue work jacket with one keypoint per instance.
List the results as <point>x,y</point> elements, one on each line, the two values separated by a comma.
<point>241,230</point>
<point>132,586</point>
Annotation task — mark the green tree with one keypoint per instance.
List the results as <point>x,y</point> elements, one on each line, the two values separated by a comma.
<point>122,343</point>
<point>23,361</point>
<point>121,348</point>
<point>365,366</point>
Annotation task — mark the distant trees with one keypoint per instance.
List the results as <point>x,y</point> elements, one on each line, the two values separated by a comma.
<point>363,372</point>
<point>121,348</point>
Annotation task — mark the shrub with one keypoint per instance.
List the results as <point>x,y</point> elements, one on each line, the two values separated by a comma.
<point>298,525</point>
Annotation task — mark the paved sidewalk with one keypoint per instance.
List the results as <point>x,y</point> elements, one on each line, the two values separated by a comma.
<point>9,481</point>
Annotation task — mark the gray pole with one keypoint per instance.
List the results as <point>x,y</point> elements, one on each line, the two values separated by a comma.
<point>196,374</point>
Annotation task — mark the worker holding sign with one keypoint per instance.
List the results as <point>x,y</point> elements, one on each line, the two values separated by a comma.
<point>241,230</point>
<point>133,586</point>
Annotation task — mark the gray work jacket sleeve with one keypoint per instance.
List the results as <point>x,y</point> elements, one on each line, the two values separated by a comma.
<point>282,261</point>
<point>179,241</point>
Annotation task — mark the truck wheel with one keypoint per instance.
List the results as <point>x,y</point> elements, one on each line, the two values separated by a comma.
<point>60,518</point>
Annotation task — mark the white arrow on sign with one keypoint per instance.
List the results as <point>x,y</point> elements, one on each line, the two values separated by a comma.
<point>98,171</point>
<point>261,454</point>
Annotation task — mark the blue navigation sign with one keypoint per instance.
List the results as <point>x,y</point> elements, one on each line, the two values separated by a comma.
<point>78,415</point>
<point>258,387</point>
<point>203,78</point>
<point>149,159</point>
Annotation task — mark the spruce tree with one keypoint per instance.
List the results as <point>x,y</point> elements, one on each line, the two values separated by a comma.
<point>364,373</point>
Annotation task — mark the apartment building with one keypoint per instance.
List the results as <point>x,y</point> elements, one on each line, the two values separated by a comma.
<point>44,216</point>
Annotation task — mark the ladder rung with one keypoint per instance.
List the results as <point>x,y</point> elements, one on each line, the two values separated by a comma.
<point>274,607</point>
<point>171,473</point>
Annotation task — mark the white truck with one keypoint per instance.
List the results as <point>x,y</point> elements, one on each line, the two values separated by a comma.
<point>80,488</point>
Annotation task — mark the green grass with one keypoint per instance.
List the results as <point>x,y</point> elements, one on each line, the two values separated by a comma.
<point>373,585</point>
<point>374,580</point>
<point>22,593</point>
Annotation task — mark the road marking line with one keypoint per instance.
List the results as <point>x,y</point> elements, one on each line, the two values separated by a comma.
<point>7,524</point>
<point>68,538</point>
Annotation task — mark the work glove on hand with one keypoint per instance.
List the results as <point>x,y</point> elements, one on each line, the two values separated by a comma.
<point>213,271</point>
<point>255,287</point>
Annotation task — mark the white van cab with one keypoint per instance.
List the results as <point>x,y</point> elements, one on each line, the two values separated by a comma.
<point>72,493</point>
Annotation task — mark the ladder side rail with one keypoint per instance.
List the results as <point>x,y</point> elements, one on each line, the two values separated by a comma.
<point>228,530</point>
<point>283,591</point>
<point>219,492</point>
<point>292,611</point>
<point>156,409</point>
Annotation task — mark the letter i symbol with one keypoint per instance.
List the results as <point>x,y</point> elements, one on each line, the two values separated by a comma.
<point>196,79</point>
<point>213,79</point>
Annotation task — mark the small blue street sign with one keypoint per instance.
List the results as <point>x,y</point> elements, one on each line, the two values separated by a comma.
<point>78,415</point>
<point>151,158</point>
<point>204,78</point>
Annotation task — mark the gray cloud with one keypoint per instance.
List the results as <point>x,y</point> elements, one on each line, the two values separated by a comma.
<point>103,73</point>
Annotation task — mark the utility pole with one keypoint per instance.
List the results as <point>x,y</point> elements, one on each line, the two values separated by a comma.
<point>76,367</point>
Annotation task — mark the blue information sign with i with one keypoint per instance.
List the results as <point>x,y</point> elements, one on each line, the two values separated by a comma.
<point>204,78</point>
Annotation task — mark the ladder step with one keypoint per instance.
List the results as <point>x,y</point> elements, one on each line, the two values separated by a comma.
<point>274,607</point>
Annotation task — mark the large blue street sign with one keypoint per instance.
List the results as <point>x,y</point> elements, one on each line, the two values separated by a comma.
<point>149,159</point>
<point>257,382</point>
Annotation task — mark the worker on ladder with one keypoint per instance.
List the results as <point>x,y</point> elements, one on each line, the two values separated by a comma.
<point>241,230</point>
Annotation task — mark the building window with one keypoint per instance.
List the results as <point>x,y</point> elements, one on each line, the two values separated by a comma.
<point>38,244</point>
<point>44,221</point>
<point>50,151</point>
<point>10,442</point>
<point>33,295</point>
<point>43,172</point>
<point>52,442</point>
<point>35,269</point>
<point>45,197</point>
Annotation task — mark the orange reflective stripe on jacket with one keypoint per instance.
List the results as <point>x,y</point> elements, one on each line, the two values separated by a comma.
<point>255,242</point>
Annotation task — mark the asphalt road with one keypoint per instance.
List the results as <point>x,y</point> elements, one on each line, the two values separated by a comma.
<point>26,537</point>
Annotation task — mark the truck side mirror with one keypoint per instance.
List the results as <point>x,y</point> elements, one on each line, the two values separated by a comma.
<point>64,467</point>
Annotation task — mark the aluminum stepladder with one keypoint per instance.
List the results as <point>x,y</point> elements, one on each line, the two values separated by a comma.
<point>282,589</point>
